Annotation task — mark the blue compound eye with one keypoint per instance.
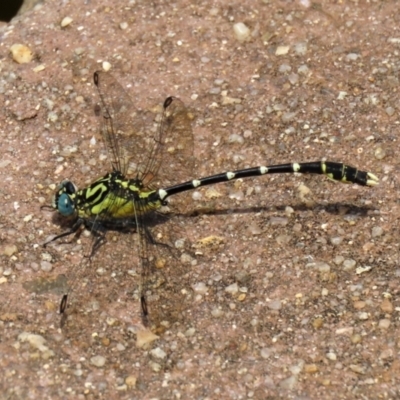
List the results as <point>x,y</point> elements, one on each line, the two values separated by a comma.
<point>65,206</point>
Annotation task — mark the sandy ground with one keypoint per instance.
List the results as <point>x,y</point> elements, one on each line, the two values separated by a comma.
<point>296,296</point>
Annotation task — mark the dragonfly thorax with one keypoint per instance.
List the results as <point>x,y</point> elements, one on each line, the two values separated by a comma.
<point>112,196</point>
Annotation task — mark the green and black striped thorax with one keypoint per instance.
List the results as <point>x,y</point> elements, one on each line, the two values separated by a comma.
<point>112,196</point>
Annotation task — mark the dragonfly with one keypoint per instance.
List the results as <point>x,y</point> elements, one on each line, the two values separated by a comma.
<point>145,163</point>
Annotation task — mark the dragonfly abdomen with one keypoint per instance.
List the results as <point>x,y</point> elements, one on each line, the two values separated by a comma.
<point>333,170</point>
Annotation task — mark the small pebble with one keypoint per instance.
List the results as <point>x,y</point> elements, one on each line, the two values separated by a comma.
<point>232,289</point>
<point>283,68</point>
<point>376,231</point>
<point>46,266</point>
<point>39,68</point>
<point>283,221</point>
<point>289,211</point>
<point>98,361</point>
<point>155,366</point>
<point>66,21</point>
<point>9,250</point>
<point>318,323</point>
<point>111,321</point>
<point>305,3</point>
<point>144,337</point>
<point>190,332</point>
<point>356,338</point>
<point>358,305</point>
<point>380,153</point>
<point>390,111</point>
<point>4,163</point>
<point>241,31</point>
<point>288,116</point>
<point>226,100</point>
<point>28,218</point>
<point>217,277</point>
<point>311,368</point>
<point>303,69</point>
<point>322,266</point>
<point>236,195</point>
<point>384,323</point>
<point>361,270</point>
<point>158,353</point>
<point>297,368</point>
<point>21,54</point>
<point>123,25</point>
<point>288,383</point>
<point>180,244</point>
<point>293,78</point>
<point>217,312</point>
<point>345,331</point>
<point>131,380</point>
<point>331,356</point>
<point>266,352</point>
<point>385,354</point>
<point>282,50</point>
<point>349,265</point>
<point>200,288</point>
<point>283,239</point>
<point>338,260</point>
<point>337,241</point>
<point>106,66</point>
<point>197,196</point>
<point>235,138</point>
<point>363,316</point>
<point>47,257</point>
<point>275,305</point>
<point>358,369</point>
<point>79,51</point>
<point>212,193</point>
<point>352,56</point>
<point>242,296</point>
<point>36,341</point>
<point>243,277</point>
<point>300,48</point>
<point>387,306</point>
<point>215,90</point>
<point>254,229</point>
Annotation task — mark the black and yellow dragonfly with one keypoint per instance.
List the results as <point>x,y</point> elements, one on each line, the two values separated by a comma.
<point>144,164</point>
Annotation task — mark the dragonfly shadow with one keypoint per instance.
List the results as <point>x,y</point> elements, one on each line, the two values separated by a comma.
<point>331,208</point>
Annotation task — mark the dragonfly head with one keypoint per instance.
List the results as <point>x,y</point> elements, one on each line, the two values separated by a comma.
<point>63,200</point>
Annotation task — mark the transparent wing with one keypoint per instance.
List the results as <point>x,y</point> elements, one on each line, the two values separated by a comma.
<point>122,127</point>
<point>135,150</point>
<point>174,153</point>
<point>165,280</point>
